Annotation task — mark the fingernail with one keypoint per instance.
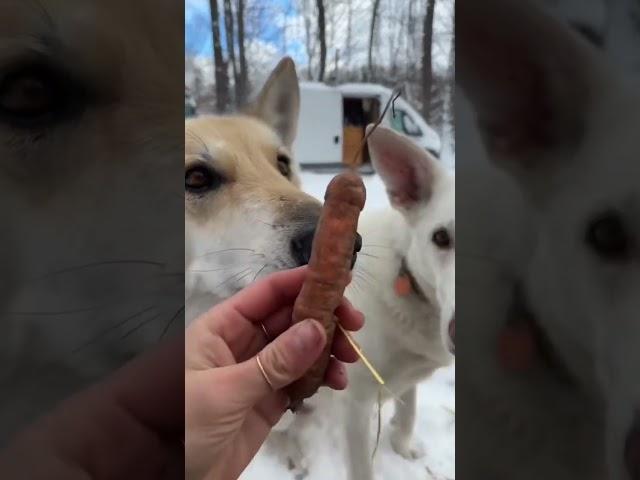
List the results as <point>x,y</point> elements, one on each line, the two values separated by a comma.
<point>307,335</point>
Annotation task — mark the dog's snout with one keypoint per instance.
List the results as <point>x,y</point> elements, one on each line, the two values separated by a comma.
<point>301,246</point>
<point>356,249</point>
<point>302,243</point>
<point>632,450</point>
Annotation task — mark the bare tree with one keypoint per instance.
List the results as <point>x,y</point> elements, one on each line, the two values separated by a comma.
<point>374,18</point>
<point>322,38</point>
<point>242,88</point>
<point>220,66</point>
<point>411,29</point>
<point>451,73</point>
<point>231,48</point>
<point>308,37</point>
<point>349,40</point>
<point>427,67</point>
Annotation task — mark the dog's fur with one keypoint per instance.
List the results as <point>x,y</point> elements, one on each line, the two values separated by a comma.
<point>244,228</point>
<point>406,338</point>
<point>87,239</point>
<point>552,114</point>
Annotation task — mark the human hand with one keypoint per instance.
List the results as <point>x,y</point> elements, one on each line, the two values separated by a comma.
<point>230,405</point>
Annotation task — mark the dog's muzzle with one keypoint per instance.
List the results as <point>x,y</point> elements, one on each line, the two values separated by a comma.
<point>302,244</point>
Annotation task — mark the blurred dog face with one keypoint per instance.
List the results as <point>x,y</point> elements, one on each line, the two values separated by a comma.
<point>424,192</point>
<point>245,213</point>
<point>554,116</point>
<point>90,115</point>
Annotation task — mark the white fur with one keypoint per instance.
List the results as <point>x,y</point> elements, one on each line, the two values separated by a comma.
<point>533,426</point>
<point>405,338</point>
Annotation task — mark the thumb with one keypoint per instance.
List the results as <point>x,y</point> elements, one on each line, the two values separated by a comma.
<point>284,361</point>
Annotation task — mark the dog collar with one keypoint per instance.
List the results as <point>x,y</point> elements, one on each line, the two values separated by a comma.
<point>523,346</point>
<point>405,283</point>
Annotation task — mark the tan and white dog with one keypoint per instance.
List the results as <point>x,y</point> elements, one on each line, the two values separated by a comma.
<point>245,214</point>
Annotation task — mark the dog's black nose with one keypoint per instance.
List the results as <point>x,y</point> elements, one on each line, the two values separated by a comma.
<point>356,248</point>
<point>302,243</point>
<point>301,246</point>
<point>632,450</point>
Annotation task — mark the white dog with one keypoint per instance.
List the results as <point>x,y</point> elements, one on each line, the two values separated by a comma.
<point>404,282</point>
<point>558,296</point>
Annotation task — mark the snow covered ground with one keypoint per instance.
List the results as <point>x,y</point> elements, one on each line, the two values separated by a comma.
<point>321,438</point>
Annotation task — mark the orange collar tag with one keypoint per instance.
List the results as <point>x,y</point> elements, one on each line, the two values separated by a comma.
<point>402,286</point>
<point>517,351</point>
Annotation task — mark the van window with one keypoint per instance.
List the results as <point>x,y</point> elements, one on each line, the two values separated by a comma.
<point>403,123</point>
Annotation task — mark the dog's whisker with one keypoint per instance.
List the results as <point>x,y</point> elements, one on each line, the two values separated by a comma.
<point>273,225</point>
<point>111,328</point>
<point>359,277</point>
<point>367,245</point>
<point>139,326</point>
<point>105,263</point>
<point>229,250</point>
<point>376,257</point>
<point>244,276</point>
<point>283,226</point>
<point>259,272</point>
<point>234,277</point>
<point>365,273</point>
<point>211,270</point>
<point>199,139</point>
<point>170,322</point>
<point>53,313</point>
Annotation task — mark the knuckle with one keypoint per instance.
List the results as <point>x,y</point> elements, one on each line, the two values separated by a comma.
<point>280,366</point>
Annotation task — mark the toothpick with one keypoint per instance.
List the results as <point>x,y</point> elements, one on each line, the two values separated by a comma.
<point>367,363</point>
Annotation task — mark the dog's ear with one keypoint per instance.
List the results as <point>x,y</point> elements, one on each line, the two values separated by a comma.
<point>408,171</point>
<point>531,81</point>
<point>278,103</point>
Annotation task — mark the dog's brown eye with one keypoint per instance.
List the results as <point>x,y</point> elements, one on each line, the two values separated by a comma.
<point>608,237</point>
<point>26,95</point>
<point>201,179</point>
<point>442,239</point>
<point>284,165</point>
<point>38,95</point>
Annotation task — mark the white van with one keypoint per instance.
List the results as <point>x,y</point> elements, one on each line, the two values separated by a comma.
<point>333,120</point>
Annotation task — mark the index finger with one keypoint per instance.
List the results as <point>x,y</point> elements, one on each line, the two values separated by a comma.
<point>258,301</point>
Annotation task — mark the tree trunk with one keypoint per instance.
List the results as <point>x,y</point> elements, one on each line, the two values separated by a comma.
<point>374,18</point>
<point>229,30</point>
<point>220,66</point>
<point>322,38</point>
<point>349,41</point>
<point>451,81</point>
<point>308,38</point>
<point>427,71</point>
<point>243,77</point>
